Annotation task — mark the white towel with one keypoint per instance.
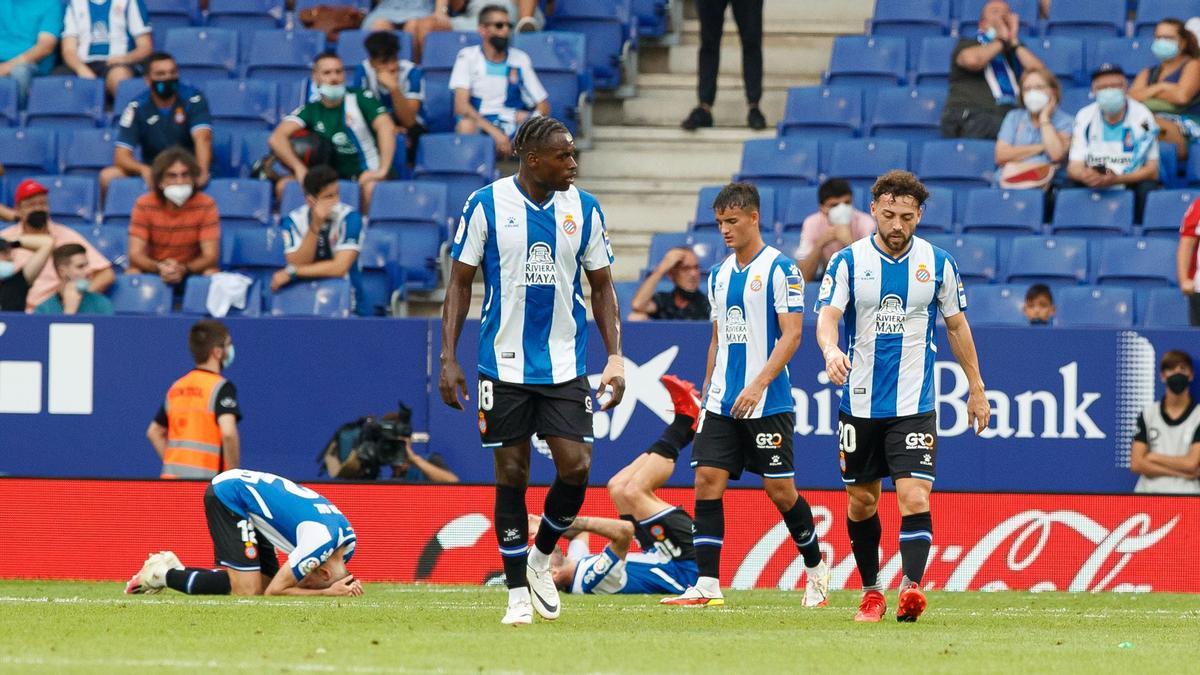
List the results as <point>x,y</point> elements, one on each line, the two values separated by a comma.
<point>225,290</point>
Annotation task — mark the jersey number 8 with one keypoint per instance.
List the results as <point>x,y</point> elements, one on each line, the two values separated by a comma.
<point>485,395</point>
<point>847,437</point>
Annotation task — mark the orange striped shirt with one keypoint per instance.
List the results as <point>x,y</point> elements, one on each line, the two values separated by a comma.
<point>172,232</point>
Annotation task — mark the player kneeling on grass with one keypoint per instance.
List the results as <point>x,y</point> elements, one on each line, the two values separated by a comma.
<point>240,506</point>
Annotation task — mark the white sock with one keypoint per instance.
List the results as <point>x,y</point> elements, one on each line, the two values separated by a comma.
<point>813,571</point>
<point>516,595</point>
<point>538,560</point>
<point>710,585</point>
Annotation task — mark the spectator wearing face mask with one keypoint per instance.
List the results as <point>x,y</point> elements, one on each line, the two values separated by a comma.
<point>1165,452</point>
<point>73,297</point>
<point>15,283</point>
<point>1034,140</point>
<point>1039,305</point>
<point>1171,89</point>
<point>684,302</point>
<point>834,226</point>
<point>33,208</point>
<point>174,230</point>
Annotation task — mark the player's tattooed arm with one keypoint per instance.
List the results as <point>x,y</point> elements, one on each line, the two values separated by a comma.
<point>452,382</point>
<point>608,321</point>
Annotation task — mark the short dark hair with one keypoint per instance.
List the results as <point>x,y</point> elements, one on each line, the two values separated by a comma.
<point>899,183</point>
<point>156,57</point>
<point>1175,358</point>
<point>834,187</point>
<point>488,10</point>
<point>737,196</point>
<point>164,160</point>
<point>206,335</point>
<point>536,132</point>
<point>318,178</point>
<point>63,254</point>
<point>1037,291</point>
<point>328,54</point>
<point>382,45</point>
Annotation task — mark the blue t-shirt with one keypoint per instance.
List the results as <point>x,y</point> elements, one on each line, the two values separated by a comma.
<point>1018,128</point>
<point>92,303</point>
<point>21,21</point>
<point>155,129</point>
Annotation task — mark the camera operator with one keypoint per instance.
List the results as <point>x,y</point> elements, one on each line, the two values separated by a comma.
<point>360,449</point>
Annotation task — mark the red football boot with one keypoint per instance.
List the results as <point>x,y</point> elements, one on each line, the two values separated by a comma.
<point>872,607</point>
<point>684,397</point>
<point>911,604</point>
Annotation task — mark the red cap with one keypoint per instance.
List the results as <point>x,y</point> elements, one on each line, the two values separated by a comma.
<point>28,188</point>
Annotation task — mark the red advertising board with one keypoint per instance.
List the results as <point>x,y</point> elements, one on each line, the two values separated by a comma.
<point>96,529</point>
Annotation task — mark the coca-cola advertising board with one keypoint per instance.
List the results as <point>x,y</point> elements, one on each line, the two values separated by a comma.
<point>77,529</point>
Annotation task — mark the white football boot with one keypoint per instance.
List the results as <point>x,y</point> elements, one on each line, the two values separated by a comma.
<point>816,586</point>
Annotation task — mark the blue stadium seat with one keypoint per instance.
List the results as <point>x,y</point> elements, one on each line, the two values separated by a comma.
<point>867,61</point>
<point>140,294</point>
<point>377,259</point>
<point>62,102</point>
<point>438,106</point>
<point>1164,308</point>
<point>709,247</point>
<point>441,49</point>
<point>1075,98</point>
<point>1081,211</point>
<point>932,66</point>
<point>957,163</point>
<point>86,151</point>
<point>250,147</point>
<point>911,114</point>
<point>283,56</point>
<point>975,254</point>
<point>912,19</point>
<point>328,298</point>
<point>293,196</point>
<point>350,44</point>
<point>252,247</point>
<point>1150,12</point>
<point>112,241</point>
<point>127,90</point>
<point>8,102</point>
<point>414,212</point>
<point>661,242</point>
<point>122,194</point>
<point>651,17</point>
<point>1063,56</point>
<point>1048,260</point>
<point>1003,211</point>
<point>203,53</point>
<point>625,292</point>
<point>224,154</point>
<point>1132,55</point>
<point>27,152</point>
<point>704,217</point>
<point>242,105</point>
<point>938,214</point>
<point>861,161</point>
<point>967,15</point>
<point>1111,306</point>
<point>560,60</point>
<point>1164,212</point>
<point>463,163</point>
<point>72,199</point>
<point>195,298</point>
<point>172,13</point>
<point>242,201</point>
<point>1134,262</point>
<point>822,112</point>
<point>996,305</point>
<point>611,34</point>
<point>800,203</point>
<point>779,163</point>
<point>302,5</point>
<point>1087,19</point>
<point>246,15</point>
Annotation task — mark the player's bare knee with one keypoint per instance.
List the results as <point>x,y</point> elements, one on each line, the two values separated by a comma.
<point>783,495</point>
<point>913,500</point>
<point>710,483</point>
<point>863,504</point>
<point>575,471</point>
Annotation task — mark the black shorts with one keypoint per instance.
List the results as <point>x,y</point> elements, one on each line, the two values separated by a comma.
<point>900,447</point>
<point>236,544</point>
<point>760,445</point>
<point>662,450</point>
<point>510,413</point>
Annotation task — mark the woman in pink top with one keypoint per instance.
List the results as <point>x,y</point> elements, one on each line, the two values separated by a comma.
<point>835,225</point>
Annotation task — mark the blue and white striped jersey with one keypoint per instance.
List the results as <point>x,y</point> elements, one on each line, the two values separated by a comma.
<point>605,573</point>
<point>746,304</point>
<point>890,307</point>
<point>296,520</point>
<point>534,328</point>
<point>105,28</point>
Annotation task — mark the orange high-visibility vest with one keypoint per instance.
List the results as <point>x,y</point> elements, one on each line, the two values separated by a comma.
<point>193,435</point>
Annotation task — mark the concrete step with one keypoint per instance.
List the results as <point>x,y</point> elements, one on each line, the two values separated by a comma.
<point>667,99</point>
<point>806,12</point>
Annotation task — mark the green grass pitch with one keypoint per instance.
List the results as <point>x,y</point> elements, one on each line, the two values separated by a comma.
<point>91,627</point>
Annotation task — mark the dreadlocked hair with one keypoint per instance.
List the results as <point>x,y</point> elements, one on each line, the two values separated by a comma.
<point>535,132</point>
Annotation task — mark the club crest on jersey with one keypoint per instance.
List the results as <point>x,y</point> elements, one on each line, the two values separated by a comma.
<point>539,266</point>
<point>756,284</point>
<point>736,331</point>
<point>251,551</point>
<point>568,225</point>
<point>826,287</point>
<point>922,273</point>
<point>889,318</point>
<point>482,423</point>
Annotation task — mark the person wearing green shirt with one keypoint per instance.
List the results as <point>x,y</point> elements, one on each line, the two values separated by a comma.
<point>73,296</point>
<point>354,122</point>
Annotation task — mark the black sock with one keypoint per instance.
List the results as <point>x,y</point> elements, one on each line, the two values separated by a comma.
<point>799,521</point>
<point>644,540</point>
<point>916,535</point>
<point>199,581</point>
<point>563,502</point>
<point>512,532</point>
<point>864,541</point>
<point>708,536</point>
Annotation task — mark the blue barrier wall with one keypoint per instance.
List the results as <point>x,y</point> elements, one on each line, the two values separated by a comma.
<point>1063,400</point>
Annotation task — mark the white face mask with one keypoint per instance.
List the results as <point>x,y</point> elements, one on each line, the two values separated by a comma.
<point>841,214</point>
<point>178,194</point>
<point>1036,100</point>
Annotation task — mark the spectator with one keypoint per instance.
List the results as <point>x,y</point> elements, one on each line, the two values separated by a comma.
<point>834,226</point>
<point>354,123</point>
<point>322,239</point>
<point>105,40</point>
<point>684,302</point>
<point>495,86</point>
<point>1034,140</point>
<point>168,114</point>
<point>174,230</point>
<point>195,431</point>
<point>1039,305</point>
<point>1165,452</point>
<point>1187,260</point>
<point>73,296</point>
<point>415,17</point>
<point>1171,89</point>
<point>529,15</point>
<point>29,31</point>
<point>984,75</point>
<point>15,282</point>
<point>1115,144</point>
<point>748,14</point>
<point>397,83</point>
<point>33,204</point>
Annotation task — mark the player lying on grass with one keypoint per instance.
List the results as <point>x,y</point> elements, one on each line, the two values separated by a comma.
<point>239,506</point>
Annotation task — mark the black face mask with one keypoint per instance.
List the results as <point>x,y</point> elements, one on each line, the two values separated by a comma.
<point>499,43</point>
<point>1178,383</point>
<point>166,88</point>
<point>1039,322</point>
<point>37,220</point>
